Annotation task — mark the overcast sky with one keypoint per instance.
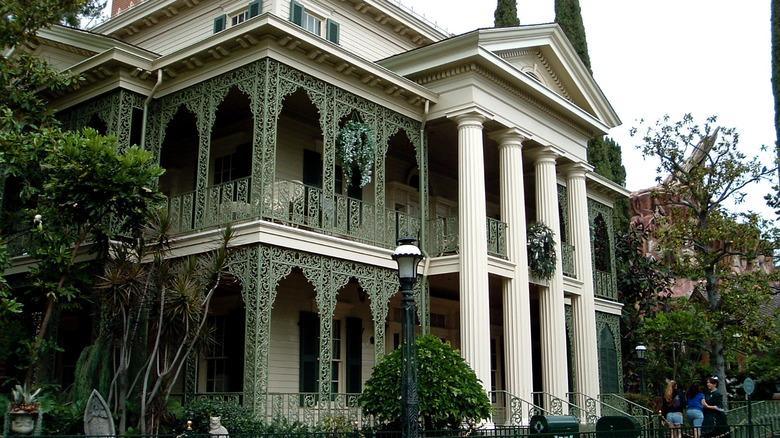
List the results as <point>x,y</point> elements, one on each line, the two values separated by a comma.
<point>650,58</point>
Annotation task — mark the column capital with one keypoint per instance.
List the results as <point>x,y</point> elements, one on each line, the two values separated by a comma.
<point>469,115</point>
<point>510,137</point>
<point>545,154</point>
<point>576,170</point>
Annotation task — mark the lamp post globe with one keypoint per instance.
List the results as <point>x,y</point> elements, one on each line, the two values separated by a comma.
<point>641,356</point>
<point>408,256</point>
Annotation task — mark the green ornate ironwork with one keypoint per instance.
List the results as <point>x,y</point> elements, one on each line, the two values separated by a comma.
<point>567,258</point>
<point>605,282</point>
<point>115,109</point>
<point>267,83</point>
<point>260,268</point>
<point>510,410</point>
<point>444,236</point>
<point>612,322</point>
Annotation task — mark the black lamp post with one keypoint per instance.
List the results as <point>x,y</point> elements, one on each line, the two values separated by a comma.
<point>641,356</point>
<point>407,255</point>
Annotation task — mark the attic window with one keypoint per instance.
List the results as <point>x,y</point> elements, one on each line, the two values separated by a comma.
<point>253,9</point>
<point>534,77</point>
<point>313,23</point>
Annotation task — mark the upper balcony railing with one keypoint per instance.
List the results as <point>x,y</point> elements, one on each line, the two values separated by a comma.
<point>604,285</point>
<point>444,236</point>
<point>567,259</point>
<point>294,204</point>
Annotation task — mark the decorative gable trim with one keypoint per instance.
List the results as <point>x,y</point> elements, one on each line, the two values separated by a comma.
<point>510,55</point>
<point>516,91</point>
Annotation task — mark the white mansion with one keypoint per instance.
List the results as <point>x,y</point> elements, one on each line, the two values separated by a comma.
<point>477,136</point>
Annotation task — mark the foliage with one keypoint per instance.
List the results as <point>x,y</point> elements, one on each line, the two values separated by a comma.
<point>449,392</point>
<point>337,423</point>
<point>235,418</point>
<point>726,254</point>
<point>505,14</point>
<point>678,339</point>
<point>775,26</point>
<point>541,251</point>
<point>142,287</point>
<point>356,148</point>
<point>24,399</point>
<point>569,17</point>
<point>644,285</point>
<point>65,418</point>
<point>607,159</point>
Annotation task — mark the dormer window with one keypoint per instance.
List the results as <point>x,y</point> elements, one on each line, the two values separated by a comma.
<point>313,22</point>
<point>253,9</point>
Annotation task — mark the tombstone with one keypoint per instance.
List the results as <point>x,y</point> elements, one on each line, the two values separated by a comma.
<point>97,417</point>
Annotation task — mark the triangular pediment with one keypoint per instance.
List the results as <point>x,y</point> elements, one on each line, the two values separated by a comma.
<point>534,64</point>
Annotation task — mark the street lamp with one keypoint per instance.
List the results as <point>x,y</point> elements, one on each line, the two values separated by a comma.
<point>641,356</point>
<point>407,255</point>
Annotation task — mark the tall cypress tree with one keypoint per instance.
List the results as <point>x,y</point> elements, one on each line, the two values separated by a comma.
<point>775,24</point>
<point>569,17</point>
<point>506,14</point>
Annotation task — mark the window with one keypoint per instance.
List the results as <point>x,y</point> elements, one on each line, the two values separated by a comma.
<point>346,354</point>
<point>233,166</point>
<point>239,18</point>
<point>253,9</point>
<point>300,16</point>
<point>222,366</point>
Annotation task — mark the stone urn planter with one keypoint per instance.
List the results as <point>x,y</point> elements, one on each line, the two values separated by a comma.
<point>23,422</point>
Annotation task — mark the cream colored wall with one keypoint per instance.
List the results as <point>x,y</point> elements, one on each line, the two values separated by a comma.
<point>294,295</point>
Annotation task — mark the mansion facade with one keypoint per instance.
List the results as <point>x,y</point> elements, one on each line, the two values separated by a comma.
<point>476,137</point>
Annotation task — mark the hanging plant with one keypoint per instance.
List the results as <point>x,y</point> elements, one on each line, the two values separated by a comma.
<point>541,251</point>
<point>356,148</point>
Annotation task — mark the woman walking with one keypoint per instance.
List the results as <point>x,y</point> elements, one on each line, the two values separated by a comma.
<point>672,407</point>
<point>695,409</point>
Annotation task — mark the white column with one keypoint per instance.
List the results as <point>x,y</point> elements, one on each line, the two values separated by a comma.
<point>518,366</point>
<point>552,315</point>
<point>472,228</point>
<point>583,306</point>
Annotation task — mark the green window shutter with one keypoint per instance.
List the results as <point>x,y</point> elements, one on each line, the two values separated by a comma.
<point>310,350</point>
<point>354,379</point>
<point>333,31</point>
<point>296,13</point>
<point>255,8</point>
<point>219,23</point>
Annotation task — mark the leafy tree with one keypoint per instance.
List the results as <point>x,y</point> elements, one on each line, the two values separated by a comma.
<point>645,287</point>
<point>448,389</point>
<point>569,16</point>
<point>678,338</point>
<point>156,309</point>
<point>723,252</point>
<point>607,159</point>
<point>775,26</point>
<point>506,14</point>
<point>78,185</point>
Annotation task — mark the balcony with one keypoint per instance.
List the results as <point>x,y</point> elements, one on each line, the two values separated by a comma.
<point>567,259</point>
<point>444,236</point>
<point>605,285</point>
<point>293,204</point>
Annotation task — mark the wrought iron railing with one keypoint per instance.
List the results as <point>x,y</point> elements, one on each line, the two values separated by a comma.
<point>593,408</point>
<point>294,204</point>
<point>558,406</point>
<point>761,412</point>
<point>567,259</point>
<point>510,410</point>
<point>311,408</point>
<point>444,236</point>
<point>605,286</point>
<point>631,408</point>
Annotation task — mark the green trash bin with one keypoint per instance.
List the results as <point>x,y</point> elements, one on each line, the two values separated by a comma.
<point>618,426</point>
<point>557,425</point>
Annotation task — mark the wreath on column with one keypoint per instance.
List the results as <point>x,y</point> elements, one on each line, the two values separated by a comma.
<point>356,148</point>
<point>541,251</point>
